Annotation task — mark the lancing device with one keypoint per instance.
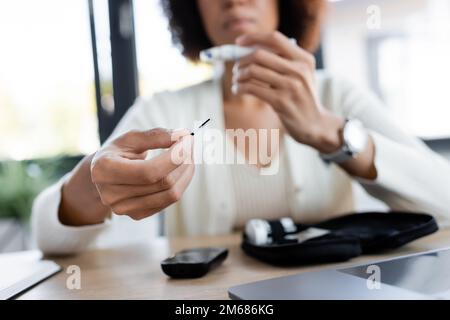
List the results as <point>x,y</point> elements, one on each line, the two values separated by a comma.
<point>202,125</point>
<point>228,52</point>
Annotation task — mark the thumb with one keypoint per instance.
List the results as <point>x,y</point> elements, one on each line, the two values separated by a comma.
<point>158,138</point>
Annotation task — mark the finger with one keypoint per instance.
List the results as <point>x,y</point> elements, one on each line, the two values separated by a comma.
<point>266,94</point>
<point>279,44</point>
<point>142,214</point>
<point>134,156</point>
<point>157,200</point>
<point>120,170</point>
<point>275,41</point>
<point>268,60</point>
<point>167,161</point>
<point>262,74</point>
<point>298,70</point>
<point>141,141</point>
<point>112,194</point>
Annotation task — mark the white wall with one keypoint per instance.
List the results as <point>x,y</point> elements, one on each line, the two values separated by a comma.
<point>346,32</point>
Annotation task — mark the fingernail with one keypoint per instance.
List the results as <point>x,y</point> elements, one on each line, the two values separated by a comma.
<point>234,88</point>
<point>240,39</point>
<point>235,68</point>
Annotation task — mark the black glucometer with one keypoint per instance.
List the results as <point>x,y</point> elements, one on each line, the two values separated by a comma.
<point>193,263</point>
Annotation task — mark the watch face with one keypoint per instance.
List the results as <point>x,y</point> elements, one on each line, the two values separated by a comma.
<point>355,136</point>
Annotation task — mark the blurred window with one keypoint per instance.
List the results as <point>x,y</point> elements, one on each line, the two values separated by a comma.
<point>161,66</point>
<point>47,92</point>
<point>405,61</point>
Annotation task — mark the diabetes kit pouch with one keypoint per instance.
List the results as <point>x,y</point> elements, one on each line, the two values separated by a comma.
<point>347,237</point>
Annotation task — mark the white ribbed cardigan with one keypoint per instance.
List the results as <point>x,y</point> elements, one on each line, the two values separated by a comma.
<point>410,176</point>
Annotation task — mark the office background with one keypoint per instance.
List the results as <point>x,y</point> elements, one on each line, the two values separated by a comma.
<point>70,69</point>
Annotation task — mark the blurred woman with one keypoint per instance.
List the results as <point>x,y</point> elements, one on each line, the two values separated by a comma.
<point>330,134</point>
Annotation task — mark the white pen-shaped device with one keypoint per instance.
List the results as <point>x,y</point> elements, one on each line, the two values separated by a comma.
<point>228,52</point>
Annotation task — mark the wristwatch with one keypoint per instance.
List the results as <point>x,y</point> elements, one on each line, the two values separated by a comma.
<point>355,138</point>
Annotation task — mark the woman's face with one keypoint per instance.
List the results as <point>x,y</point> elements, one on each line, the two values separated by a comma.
<point>225,20</point>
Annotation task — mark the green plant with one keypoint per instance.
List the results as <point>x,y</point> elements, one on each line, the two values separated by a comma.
<point>21,182</point>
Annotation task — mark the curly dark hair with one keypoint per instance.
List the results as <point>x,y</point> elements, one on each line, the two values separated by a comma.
<point>299,19</point>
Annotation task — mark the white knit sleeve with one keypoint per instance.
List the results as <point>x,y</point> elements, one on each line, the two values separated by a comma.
<point>410,175</point>
<point>53,237</point>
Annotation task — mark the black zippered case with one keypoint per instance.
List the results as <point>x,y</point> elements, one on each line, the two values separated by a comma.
<point>350,236</point>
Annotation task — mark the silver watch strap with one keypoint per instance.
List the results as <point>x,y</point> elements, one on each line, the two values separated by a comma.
<point>339,156</point>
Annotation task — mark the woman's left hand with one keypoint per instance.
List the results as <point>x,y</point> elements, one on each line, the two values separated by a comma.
<point>283,75</point>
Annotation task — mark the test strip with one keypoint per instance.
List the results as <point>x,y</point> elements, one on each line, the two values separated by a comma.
<point>202,125</point>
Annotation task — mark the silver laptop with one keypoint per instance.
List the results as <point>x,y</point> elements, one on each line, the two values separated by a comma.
<point>22,270</point>
<point>417,276</point>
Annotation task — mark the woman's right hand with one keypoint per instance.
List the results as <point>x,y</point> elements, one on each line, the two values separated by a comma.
<point>124,182</point>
